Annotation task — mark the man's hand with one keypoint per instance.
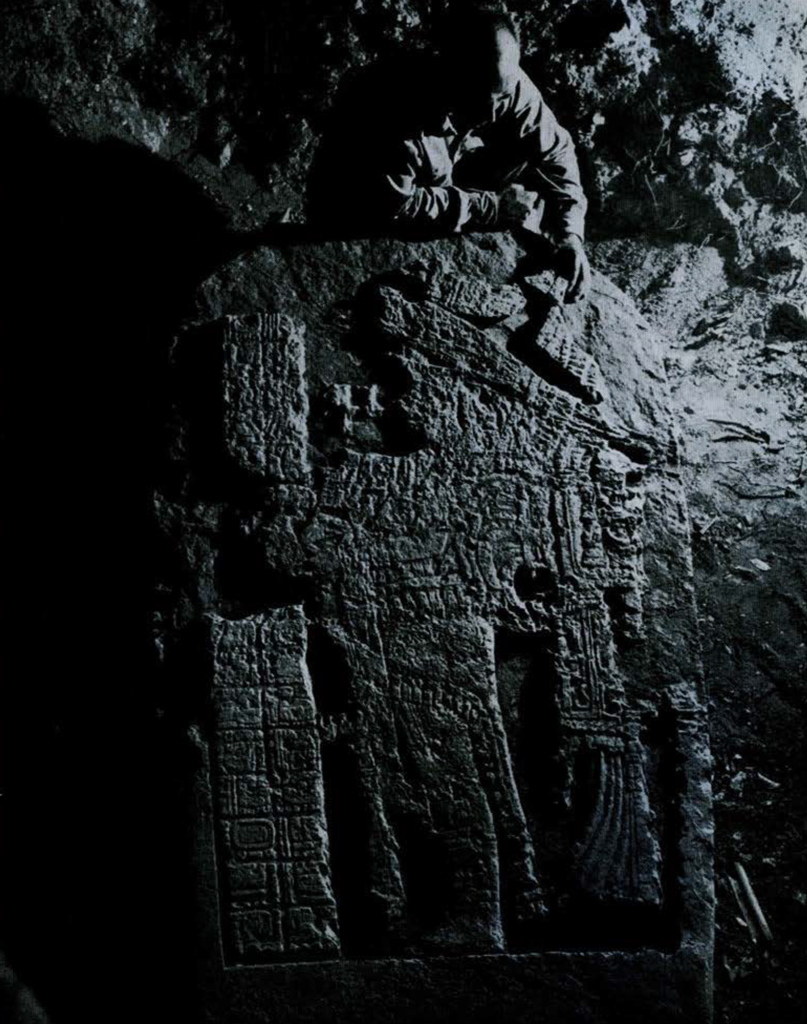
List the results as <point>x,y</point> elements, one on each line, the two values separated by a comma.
<point>573,265</point>
<point>516,207</point>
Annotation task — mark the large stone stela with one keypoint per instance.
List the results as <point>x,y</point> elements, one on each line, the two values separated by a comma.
<point>449,638</point>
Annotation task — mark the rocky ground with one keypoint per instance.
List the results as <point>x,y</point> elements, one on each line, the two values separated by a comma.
<point>691,122</point>
<point>737,364</point>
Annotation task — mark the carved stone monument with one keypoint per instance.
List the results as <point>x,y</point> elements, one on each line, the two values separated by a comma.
<point>428,576</point>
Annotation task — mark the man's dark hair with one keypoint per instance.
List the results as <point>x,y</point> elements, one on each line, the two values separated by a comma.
<point>473,29</point>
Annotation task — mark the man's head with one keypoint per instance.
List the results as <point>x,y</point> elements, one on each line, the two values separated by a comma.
<point>481,52</point>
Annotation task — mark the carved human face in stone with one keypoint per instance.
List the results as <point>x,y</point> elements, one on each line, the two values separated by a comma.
<point>485,77</point>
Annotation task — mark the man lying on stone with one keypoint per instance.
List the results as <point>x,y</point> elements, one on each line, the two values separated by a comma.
<point>458,142</point>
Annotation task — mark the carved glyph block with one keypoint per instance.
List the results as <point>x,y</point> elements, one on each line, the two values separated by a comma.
<point>277,895</point>
<point>265,398</point>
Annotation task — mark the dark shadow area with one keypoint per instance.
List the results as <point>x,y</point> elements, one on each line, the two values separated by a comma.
<point>536,583</point>
<point>246,584</point>
<point>270,67</point>
<point>104,245</point>
<point>588,26</point>
<point>363,917</point>
<point>331,674</point>
<point>527,692</point>
<point>428,870</point>
<point>375,108</point>
<point>362,924</point>
<point>18,1005</point>
<point>527,688</point>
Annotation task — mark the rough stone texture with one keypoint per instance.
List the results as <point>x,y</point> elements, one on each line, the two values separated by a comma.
<point>484,588</point>
<point>739,392</point>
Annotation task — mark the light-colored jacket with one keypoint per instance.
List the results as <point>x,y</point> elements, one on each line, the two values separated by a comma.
<point>528,145</point>
<point>394,153</point>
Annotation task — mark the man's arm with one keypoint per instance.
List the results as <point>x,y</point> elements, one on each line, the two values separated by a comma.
<point>549,149</point>
<point>439,206</point>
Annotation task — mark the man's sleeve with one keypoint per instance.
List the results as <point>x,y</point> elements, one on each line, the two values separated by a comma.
<point>444,207</point>
<point>550,151</point>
